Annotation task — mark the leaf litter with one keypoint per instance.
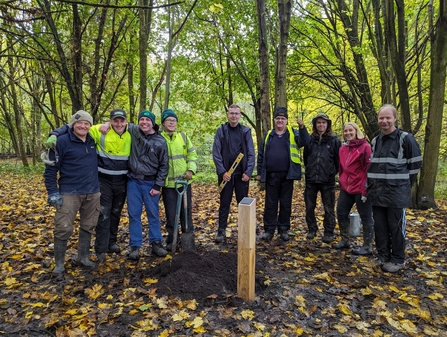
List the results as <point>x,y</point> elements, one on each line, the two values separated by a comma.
<point>302,287</point>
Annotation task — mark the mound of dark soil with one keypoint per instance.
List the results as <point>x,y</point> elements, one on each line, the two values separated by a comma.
<point>192,276</point>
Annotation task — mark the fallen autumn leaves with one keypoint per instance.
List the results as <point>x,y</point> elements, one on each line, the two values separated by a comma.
<point>303,287</point>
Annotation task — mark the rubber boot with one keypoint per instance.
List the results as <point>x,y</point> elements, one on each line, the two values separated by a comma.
<point>344,233</point>
<point>84,249</point>
<point>60,247</point>
<point>368,235</point>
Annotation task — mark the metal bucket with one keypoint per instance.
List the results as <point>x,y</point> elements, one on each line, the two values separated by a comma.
<point>354,224</point>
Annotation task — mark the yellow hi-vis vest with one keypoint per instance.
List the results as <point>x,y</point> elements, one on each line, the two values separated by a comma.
<point>294,154</point>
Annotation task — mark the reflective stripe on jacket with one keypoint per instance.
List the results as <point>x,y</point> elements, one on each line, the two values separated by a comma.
<point>294,154</point>
<point>182,157</point>
<point>395,163</point>
<point>113,150</point>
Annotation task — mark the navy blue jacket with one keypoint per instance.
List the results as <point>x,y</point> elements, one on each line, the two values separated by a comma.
<point>77,164</point>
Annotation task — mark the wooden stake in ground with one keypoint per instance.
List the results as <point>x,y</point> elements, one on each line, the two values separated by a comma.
<point>246,249</point>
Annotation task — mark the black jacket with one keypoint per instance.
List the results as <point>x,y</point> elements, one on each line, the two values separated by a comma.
<point>220,150</point>
<point>395,163</point>
<point>321,159</point>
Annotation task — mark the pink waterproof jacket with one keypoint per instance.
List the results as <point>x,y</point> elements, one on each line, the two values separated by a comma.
<point>354,161</point>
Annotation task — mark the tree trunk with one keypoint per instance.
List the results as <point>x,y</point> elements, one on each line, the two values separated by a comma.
<point>284,13</point>
<point>168,60</point>
<point>77,58</point>
<point>426,188</point>
<point>145,16</point>
<point>396,46</point>
<point>17,109</point>
<point>130,90</point>
<point>264,73</point>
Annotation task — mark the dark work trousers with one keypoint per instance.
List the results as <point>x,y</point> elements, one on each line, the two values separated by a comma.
<point>113,195</point>
<point>390,230</point>
<point>241,189</point>
<point>278,190</point>
<point>327,192</point>
<point>344,206</point>
<point>170,197</point>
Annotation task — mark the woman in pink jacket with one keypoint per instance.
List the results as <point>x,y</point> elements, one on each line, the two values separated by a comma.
<point>354,156</point>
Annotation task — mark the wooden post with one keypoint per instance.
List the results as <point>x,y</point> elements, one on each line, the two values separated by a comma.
<point>246,249</point>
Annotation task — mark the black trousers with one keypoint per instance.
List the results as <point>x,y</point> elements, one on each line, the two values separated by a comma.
<point>226,195</point>
<point>170,199</point>
<point>278,191</point>
<point>113,195</point>
<point>327,192</point>
<point>344,206</point>
<point>390,230</point>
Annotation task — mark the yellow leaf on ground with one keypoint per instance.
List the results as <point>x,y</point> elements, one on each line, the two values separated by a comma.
<point>259,326</point>
<point>248,314</point>
<point>150,280</point>
<point>436,296</point>
<point>340,328</point>
<point>344,309</point>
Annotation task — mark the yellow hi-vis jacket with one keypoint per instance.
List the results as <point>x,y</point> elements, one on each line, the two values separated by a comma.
<point>182,157</point>
<point>113,150</point>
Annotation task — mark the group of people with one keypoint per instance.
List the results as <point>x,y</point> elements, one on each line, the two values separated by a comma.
<point>91,169</point>
<point>377,178</point>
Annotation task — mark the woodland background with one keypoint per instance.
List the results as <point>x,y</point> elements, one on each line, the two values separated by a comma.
<point>344,58</point>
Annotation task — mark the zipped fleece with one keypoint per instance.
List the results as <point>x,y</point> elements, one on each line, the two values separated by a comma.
<point>354,162</point>
<point>77,166</point>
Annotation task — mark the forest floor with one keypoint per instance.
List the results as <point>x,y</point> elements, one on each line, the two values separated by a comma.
<point>303,287</point>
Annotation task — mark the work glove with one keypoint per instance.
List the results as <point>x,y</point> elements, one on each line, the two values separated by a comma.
<point>55,200</point>
<point>51,142</point>
<point>364,199</point>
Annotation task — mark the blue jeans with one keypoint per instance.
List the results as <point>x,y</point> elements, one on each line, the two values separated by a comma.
<point>137,195</point>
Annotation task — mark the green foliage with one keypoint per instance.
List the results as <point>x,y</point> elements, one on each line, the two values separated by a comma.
<point>441,180</point>
<point>15,167</point>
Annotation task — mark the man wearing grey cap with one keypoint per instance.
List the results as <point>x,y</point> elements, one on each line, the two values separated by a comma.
<point>71,180</point>
<point>113,151</point>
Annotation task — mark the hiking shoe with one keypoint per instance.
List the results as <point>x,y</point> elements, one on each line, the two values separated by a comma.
<point>392,267</point>
<point>267,236</point>
<point>284,236</point>
<point>378,262</point>
<point>362,251</point>
<point>311,234</point>
<point>58,277</point>
<point>157,249</point>
<point>220,236</point>
<point>101,257</point>
<point>344,243</point>
<point>114,249</point>
<point>169,246</point>
<point>328,238</point>
<point>134,253</point>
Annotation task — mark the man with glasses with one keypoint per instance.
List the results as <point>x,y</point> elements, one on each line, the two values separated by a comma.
<point>279,165</point>
<point>231,139</point>
<point>182,166</point>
